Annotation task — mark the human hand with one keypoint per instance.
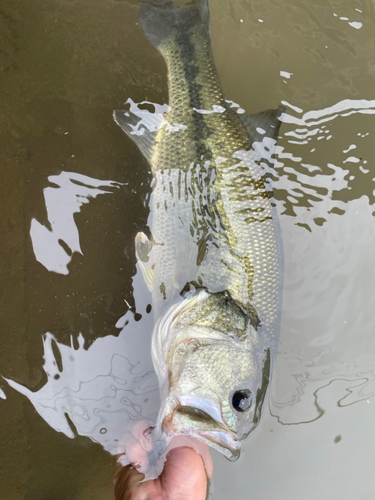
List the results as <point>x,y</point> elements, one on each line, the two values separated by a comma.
<point>184,477</point>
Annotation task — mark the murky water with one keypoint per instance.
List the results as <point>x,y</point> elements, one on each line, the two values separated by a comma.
<point>75,195</point>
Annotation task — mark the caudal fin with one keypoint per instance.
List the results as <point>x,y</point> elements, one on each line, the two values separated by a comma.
<point>161,19</point>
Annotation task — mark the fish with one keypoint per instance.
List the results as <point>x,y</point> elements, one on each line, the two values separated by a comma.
<point>213,258</point>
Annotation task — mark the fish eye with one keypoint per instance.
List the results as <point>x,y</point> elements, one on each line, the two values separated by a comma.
<point>242,400</point>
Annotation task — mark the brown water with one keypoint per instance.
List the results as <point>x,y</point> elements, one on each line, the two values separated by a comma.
<point>64,66</point>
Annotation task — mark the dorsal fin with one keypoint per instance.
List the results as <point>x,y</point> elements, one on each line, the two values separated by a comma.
<point>264,124</point>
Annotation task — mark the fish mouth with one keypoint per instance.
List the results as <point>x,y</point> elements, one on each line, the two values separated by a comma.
<point>202,420</point>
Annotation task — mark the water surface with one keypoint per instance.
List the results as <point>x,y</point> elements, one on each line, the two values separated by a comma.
<point>75,194</point>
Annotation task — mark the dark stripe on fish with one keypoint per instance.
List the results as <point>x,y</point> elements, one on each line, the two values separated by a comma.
<point>201,131</point>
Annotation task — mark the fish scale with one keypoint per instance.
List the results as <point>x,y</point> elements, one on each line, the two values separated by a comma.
<point>214,261</point>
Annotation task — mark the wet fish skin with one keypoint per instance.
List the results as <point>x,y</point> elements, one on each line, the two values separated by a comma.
<point>220,195</point>
<point>204,351</point>
<point>214,227</point>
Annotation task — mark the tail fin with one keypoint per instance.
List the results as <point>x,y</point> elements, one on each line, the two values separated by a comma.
<point>161,19</point>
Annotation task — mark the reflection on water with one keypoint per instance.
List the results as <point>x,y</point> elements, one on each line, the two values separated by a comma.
<point>329,296</point>
<point>85,390</point>
<point>97,392</point>
<point>62,75</point>
<point>307,179</point>
<point>328,291</point>
<point>54,245</point>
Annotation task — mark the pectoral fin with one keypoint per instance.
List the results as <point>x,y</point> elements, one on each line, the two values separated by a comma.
<point>143,247</point>
<point>264,124</point>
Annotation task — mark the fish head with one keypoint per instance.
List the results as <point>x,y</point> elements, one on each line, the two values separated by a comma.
<point>216,373</point>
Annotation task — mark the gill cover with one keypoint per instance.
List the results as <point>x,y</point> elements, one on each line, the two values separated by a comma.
<point>212,381</point>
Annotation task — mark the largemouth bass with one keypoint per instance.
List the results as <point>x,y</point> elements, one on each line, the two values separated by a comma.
<point>214,257</point>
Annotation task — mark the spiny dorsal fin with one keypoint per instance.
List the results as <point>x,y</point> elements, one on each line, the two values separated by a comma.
<point>267,122</point>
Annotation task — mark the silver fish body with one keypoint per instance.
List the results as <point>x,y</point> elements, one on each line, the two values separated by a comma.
<point>214,261</point>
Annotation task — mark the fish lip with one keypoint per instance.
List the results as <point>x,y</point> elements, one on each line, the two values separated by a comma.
<point>228,444</point>
<point>222,437</point>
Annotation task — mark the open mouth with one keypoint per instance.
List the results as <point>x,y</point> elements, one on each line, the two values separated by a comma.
<point>206,425</point>
<point>195,415</point>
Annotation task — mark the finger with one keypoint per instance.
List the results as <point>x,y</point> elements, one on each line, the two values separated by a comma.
<point>201,448</point>
<point>184,473</point>
<point>127,481</point>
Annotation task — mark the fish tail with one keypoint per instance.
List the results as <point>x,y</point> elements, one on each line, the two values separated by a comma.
<point>162,20</point>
